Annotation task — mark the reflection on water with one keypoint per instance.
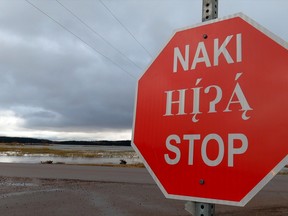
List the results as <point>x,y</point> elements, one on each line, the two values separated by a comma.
<point>82,147</point>
<point>68,160</point>
<point>90,147</point>
<point>130,157</point>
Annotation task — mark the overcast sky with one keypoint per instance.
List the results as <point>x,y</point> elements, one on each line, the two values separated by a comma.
<point>68,70</point>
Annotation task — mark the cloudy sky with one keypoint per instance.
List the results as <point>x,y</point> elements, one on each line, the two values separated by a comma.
<point>68,68</point>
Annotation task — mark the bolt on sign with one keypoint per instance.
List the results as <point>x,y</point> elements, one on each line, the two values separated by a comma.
<point>211,118</point>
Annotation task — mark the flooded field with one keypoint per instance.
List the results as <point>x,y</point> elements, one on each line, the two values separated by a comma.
<point>68,154</point>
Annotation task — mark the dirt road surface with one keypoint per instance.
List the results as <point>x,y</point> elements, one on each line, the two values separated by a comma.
<point>40,189</point>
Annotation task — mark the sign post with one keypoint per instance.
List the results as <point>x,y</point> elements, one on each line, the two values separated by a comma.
<point>209,12</point>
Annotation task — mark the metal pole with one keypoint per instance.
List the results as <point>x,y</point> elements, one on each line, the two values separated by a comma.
<point>209,12</point>
<point>204,209</point>
<point>200,209</point>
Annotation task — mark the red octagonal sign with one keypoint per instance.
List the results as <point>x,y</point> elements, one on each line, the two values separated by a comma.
<point>211,112</point>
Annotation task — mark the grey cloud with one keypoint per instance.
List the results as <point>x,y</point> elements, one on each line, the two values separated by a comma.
<point>53,81</point>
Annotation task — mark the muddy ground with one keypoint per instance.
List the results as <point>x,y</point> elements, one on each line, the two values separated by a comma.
<point>54,196</point>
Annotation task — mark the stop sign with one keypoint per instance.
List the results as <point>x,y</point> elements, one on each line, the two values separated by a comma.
<point>210,118</point>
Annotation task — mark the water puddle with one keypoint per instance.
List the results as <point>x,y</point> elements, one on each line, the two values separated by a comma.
<point>18,184</point>
<point>27,192</point>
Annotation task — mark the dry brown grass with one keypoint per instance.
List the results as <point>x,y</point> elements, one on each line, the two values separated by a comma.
<point>19,150</point>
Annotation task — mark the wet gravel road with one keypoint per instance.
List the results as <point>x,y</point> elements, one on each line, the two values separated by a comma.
<point>45,190</point>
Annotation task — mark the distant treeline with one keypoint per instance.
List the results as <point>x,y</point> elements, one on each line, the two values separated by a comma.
<point>34,141</point>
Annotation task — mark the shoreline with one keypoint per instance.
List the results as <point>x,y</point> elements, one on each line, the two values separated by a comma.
<point>67,154</point>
